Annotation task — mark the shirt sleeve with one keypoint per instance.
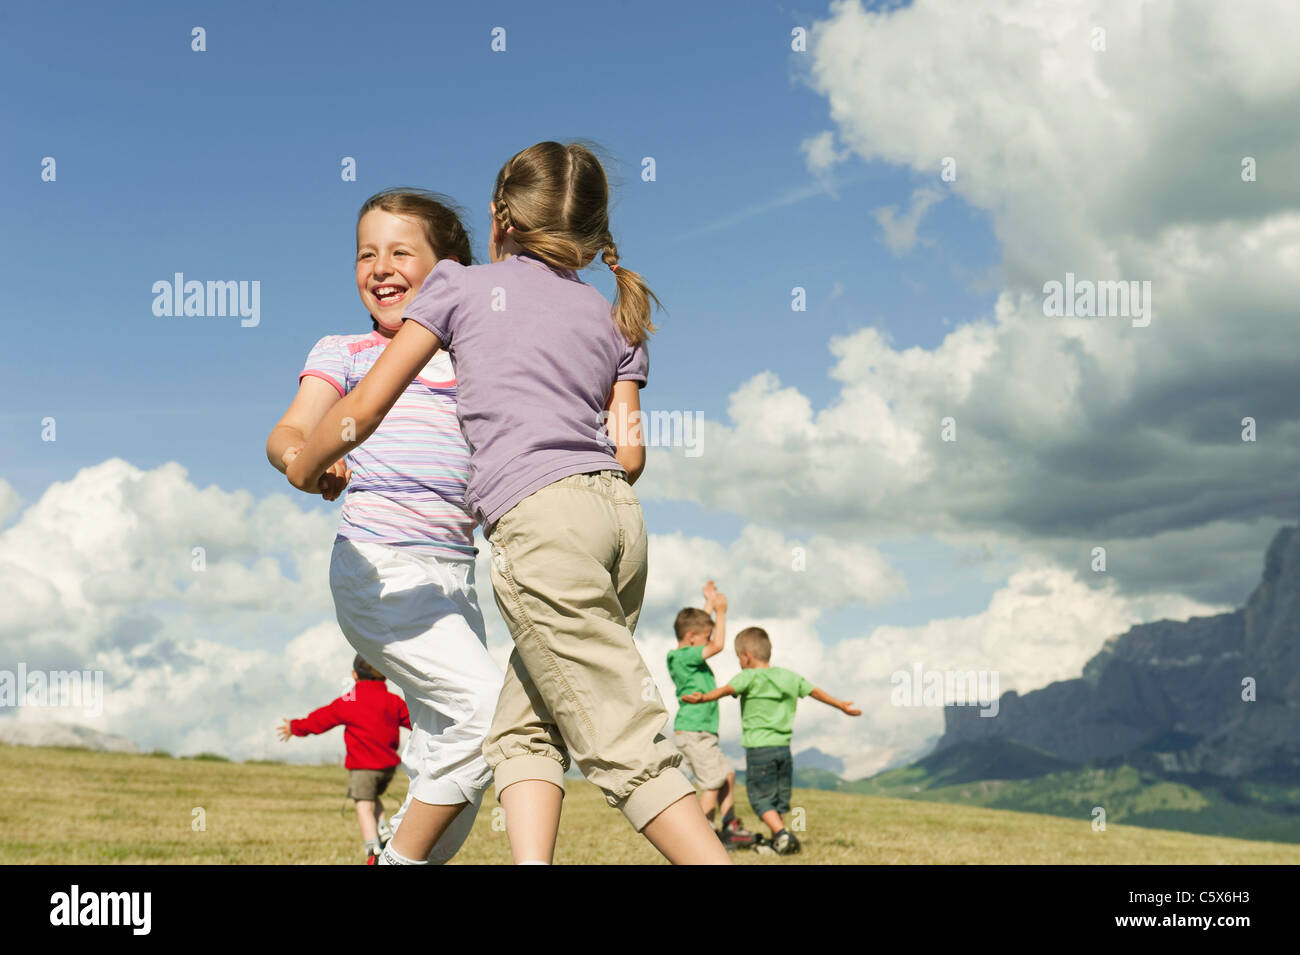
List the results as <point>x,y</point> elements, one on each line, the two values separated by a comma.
<point>739,682</point>
<point>803,688</point>
<point>439,305</point>
<point>328,361</point>
<point>317,721</point>
<point>403,714</point>
<point>634,364</point>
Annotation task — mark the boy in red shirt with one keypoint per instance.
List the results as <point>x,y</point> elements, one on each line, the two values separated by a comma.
<point>372,716</point>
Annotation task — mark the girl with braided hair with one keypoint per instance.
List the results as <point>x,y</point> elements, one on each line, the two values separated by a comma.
<point>549,374</point>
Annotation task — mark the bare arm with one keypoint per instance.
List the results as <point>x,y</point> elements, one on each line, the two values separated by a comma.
<point>315,397</point>
<point>355,417</point>
<point>718,640</point>
<point>623,425</point>
<point>824,697</point>
<point>719,693</point>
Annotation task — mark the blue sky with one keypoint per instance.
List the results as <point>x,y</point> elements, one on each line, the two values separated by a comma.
<point>225,164</point>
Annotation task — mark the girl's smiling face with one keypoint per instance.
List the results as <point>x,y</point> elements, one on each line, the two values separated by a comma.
<point>393,259</point>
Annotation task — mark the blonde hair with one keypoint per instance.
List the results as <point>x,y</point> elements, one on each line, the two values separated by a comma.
<point>755,642</point>
<point>553,199</point>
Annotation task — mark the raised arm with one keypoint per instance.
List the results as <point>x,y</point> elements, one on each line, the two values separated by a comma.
<point>842,705</point>
<point>719,639</point>
<point>354,418</point>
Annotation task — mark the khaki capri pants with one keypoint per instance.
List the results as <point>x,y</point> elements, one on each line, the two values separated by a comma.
<point>569,574</point>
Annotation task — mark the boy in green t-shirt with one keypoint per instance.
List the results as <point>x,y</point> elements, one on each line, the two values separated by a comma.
<point>695,729</point>
<point>768,698</point>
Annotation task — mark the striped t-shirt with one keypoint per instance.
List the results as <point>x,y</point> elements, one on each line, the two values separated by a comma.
<point>408,479</point>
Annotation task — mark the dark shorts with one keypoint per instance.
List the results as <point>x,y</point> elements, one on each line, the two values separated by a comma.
<point>369,783</point>
<point>769,776</point>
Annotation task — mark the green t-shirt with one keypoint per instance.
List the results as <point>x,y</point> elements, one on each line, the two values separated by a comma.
<point>768,699</point>
<point>692,675</point>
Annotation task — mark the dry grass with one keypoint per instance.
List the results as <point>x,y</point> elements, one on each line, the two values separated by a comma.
<point>83,808</point>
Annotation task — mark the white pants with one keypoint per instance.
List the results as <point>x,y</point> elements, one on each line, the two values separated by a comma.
<point>416,620</point>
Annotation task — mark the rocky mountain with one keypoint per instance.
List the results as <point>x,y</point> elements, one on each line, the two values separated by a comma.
<point>1175,696</point>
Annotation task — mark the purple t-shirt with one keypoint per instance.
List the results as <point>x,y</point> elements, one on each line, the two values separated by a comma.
<point>536,355</point>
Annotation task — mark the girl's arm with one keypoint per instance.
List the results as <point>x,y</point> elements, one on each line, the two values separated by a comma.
<point>355,417</point>
<point>314,398</point>
<point>623,425</point>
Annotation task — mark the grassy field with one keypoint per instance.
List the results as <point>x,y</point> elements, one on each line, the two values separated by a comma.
<point>80,807</point>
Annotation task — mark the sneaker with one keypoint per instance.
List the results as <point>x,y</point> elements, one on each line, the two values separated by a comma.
<point>385,833</point>
<point>736,836</point>
<point>785,843</point>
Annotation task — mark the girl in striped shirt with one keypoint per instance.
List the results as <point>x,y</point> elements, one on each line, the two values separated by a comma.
<point>402,570</point>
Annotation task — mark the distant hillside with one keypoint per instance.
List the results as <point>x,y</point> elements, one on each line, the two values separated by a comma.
<point>24,733</point>
<point>1208,805</point>
<point>1169,696</point>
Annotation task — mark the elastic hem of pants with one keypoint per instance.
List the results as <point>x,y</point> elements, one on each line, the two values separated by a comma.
<point>519,769</point>
<point>441,792</point>
<point>654,796</point>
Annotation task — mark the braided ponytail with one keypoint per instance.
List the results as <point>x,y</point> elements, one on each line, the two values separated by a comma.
<point>553,200</point>
<point>632,303</point>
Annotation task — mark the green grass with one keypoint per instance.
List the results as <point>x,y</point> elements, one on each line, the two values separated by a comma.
<point>81,807</point>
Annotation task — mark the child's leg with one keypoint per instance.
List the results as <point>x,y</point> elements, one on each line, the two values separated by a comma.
<point>762,783</point>
<point>709,803</point>
<point>568,573</point>
<point>532,809</point>
<point>366,819</point>
<point>728,796</point>
<point>416,620</point>
<point>530,787</point>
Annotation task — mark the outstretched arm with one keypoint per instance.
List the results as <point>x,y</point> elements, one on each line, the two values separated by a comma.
<point>317,721</point>
<point>354,418</point>
<point>843,705</point>
<point>709,697</point>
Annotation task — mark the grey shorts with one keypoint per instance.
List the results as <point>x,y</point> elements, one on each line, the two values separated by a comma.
<point>369,783</point>
<point>703,756</point>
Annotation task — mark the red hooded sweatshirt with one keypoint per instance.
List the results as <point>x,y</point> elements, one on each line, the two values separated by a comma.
<point>371,715</point>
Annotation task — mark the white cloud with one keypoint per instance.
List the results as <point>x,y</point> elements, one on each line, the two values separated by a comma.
<point>1115,165</point>
<point>820,153</point>
<point>900,230</point>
